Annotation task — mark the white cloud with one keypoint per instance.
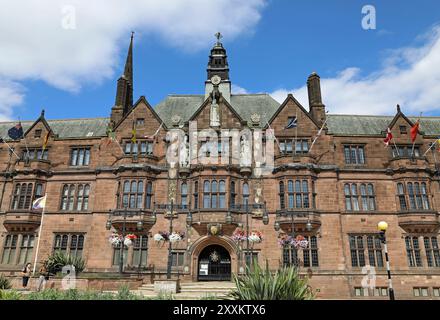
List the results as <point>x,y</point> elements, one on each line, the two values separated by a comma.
<point>408,76</point>
<point>35,45</point>
<point>235,89</point>
<point>11,94</point>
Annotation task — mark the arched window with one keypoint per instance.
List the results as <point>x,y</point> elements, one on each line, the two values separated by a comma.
<point>348,206</point>
<point>412,199</point>
<point>206,194</point>
<point>290,194</point>
<point>214,196</point>
<point>425,197</point>
<point>245,193</point>
<point>184,194</point>
<point>401,196</point>
<point>232,194</point>
<point>222,194</point>
<point>196,194</point>
<point>149,195</point>
<point>133,193</point>
<point>413,251</point>
<point>281,194</point>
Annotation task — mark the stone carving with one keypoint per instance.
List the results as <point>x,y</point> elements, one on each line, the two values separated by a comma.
<point>255,118</point>
<point>176,120</point>
<point>184,153</point>
<point>215,114</point>
<point>245,152</point>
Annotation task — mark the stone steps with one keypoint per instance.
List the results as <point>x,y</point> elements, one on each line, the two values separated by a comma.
<point>193,290</point>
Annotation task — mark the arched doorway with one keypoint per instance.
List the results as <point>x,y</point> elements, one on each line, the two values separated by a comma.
<point>214,264</point>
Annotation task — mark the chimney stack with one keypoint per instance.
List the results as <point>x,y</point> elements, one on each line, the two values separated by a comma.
<point>317,108</point>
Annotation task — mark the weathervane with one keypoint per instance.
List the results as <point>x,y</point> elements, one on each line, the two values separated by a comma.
<point>218,35</point>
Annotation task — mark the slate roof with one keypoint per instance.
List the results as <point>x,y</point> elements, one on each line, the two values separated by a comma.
<point>360,125</point>
<point>72,128</point>
<point>244,104</point>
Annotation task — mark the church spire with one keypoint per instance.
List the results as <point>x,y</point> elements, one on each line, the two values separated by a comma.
<point>128,71</point>
<point>124,90</point>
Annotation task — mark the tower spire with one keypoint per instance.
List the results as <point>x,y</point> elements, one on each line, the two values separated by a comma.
<point>128,71</point>
<point>218,66</point>
<point>124,90</point>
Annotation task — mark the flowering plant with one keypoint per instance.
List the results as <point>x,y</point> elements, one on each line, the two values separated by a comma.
<point>299,242</point>
<point>256,236</point>
<point>166,236</point>
<point>116,239</point>
<point>239,235</point>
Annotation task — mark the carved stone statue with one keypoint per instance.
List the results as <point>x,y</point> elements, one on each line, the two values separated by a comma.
<point>215,114</point>
<point>184,153</point>
<point>245,152</point>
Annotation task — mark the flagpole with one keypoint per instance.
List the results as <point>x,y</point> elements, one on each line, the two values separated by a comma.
<point>397,149</point>
<point>414,143</point>
<point>432,145</point>
<point>436,167</point>
<point>39,236</point>
<point>276,140</point>
<point>319,133</point>
<point>10,148</point>
<point>296,130</point>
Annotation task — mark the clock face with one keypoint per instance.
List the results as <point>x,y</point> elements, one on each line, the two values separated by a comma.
<point>216,80</point>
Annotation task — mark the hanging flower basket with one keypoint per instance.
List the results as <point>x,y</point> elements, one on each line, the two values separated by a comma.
<point>116,239</point>
<point>299,242</point>
<point>240,235</point>
<point>256,237</point>
<point>163,236</point>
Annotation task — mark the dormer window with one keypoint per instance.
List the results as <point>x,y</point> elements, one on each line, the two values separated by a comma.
<point>140,122</point>
<point>37,133</point>
<point>403,130</point>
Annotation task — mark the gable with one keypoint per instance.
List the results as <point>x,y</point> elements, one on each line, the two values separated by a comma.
<point>306,126</point>
<point>140,111</point>
<point>229,118</point>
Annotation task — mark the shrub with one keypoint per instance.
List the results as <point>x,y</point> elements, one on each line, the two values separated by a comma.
<point>125,294</point>
<point>9,295</point>
<point>58,260</point>
<point>5,283</point>
<point>284,284</point>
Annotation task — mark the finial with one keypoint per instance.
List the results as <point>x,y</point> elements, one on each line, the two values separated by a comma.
<point>42,112</point>
<point>398,108</point>
<point>132,35</point>
<point>218,35</point>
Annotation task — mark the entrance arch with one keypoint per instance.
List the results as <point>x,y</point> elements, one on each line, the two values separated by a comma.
<point>214,264</point>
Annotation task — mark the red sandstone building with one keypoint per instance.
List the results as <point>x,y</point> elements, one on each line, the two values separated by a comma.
<point>333,195</point>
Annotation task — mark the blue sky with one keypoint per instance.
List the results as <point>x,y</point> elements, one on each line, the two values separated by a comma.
<point>272,47</point>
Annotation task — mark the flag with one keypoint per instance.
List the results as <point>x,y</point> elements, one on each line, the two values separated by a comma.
<point>155,134</point>
<point>16,132</point>
<point>40,203</point>
<point>111,136</point>
<point>133,133</point>
<point>388,138</point>
<point>46,139</point>
<point>414,131</point>
<point>292,123</point>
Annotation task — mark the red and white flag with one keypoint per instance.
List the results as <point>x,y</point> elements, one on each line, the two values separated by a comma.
<point>388,138</point>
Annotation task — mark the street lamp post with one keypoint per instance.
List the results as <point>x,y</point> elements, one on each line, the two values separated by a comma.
<point>139,226</point>
<point>309,228</point>
<point>383,226</point>
<point>170,254</point>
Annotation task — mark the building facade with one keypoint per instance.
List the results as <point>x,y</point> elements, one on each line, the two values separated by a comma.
<point>334,194</point>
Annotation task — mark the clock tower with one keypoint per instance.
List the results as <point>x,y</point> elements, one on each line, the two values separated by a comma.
<point>218,67</point>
